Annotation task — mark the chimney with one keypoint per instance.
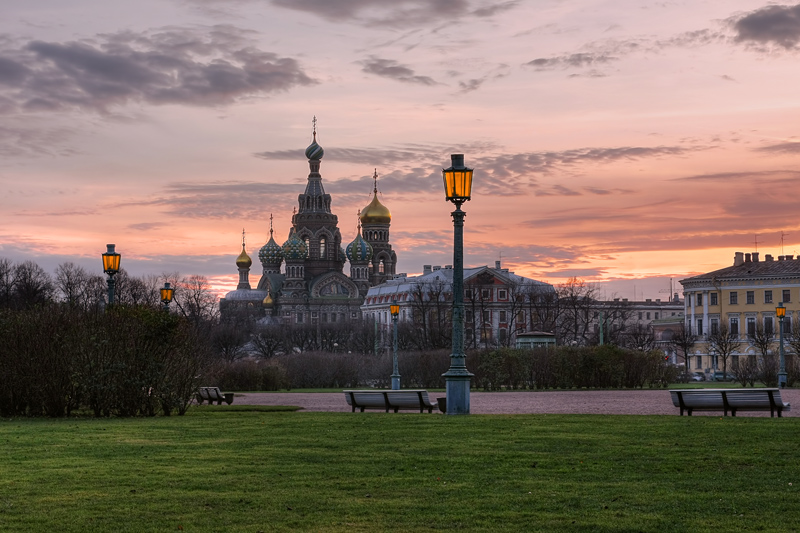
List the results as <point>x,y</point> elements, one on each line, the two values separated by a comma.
<point>436,267</point>
<point>755,257</point>
<point>676,298</point>
<point>648,300</point>
<point>426,269</point>
<point>448,267</point>
<point>497,265</point>
<point>789,257</point>
<point>781,257</point>
<point>768,257</point>
<point>658,300</point>
<point>746,258</point>
<point>738,259</point>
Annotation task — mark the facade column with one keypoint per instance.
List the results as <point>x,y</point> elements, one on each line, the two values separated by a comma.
<point>705,312</point>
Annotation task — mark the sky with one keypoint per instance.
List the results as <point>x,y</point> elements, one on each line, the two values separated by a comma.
<point>627,143</point>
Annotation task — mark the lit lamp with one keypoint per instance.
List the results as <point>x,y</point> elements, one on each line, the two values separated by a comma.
<point>780,311</point>
<point>167,293</point>
<point>111,267</point>
<point>395,310</point>
<point>457,189</point>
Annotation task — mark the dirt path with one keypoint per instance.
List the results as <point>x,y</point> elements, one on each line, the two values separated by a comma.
<point>633,402</point>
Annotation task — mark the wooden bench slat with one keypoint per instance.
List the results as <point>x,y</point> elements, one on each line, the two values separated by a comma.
<point>732,400</point>
<point>408,399</point>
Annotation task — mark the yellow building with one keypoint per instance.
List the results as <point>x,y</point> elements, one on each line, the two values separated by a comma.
<point>742,298</point>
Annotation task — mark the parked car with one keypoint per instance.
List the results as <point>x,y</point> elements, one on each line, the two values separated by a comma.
<point>698,376</point>
<point>719,376</point>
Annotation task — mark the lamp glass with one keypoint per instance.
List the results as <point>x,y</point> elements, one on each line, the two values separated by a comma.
<point>394,309</point>
<point>166,293</point>
<point>457,183</point>
<point>780,311</point>
<point>111,260</point>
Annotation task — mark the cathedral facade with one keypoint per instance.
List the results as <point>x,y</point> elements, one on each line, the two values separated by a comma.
<point>303,279</point>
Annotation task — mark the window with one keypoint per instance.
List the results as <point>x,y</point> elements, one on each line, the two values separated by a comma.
<point>656,316</point>
<point>502,335</point>
<point>714,326</point>
<point>734,297</point>
<point>767,297</point>
<point>469,333</point>
<point>787,326</point>
<point>751,325</point>
<point>502,294</point>
<point>699,362</point>
<point>699,299</point>
<point>648,315</point>
<point>787,296</point>
<point>325,317</point>
<point>468,294</point>
<point>503,316</point>
<point>768,329</point>
<point>751,297</point>
<point>699,326</point>
<point>640,315</point>
<point>712,299</point>
<point>381,267</point>
<point>333,317</point>
<point>299,318</point>
<point>735,327</point>
<point>487,316</point>
<point>468,315</point>
<point>521,317</point>
<point>486,294</point>
<point>322,249</point>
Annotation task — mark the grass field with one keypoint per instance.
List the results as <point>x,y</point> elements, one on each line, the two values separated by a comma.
<point>252,469</point>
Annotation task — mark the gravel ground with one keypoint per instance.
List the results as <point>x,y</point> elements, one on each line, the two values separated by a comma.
<point>633,402</point>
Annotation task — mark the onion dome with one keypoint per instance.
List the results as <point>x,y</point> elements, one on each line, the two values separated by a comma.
<point>270,253</point>
<point>294,249</point>
<point>359,251</point>
<point>243,261</point>
<point>268,303</point>
<point>314,151</point>
<point>375,212</point>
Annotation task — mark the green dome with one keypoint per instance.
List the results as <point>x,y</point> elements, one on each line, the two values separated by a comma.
<point>294,249</point>
<point>271,253</point>
<point>359,251</point>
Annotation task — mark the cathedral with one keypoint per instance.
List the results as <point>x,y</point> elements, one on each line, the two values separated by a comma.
<point>303,281</point>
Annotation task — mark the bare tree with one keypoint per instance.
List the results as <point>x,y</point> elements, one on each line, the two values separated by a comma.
<point>32,285</point>
<point>6,282</point>
<point>641,337</point>
<point>267,340</point>
<point>723,343</point>
<point>542,304</point>
<point>575,301</point>
<point>683,341</point>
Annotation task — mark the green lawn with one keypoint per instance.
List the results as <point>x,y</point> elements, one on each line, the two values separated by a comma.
<point>220,469</point>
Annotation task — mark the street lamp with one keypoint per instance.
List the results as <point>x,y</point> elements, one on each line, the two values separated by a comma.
<point>111,267</point>
<point>780,311</point>
<point>395,310</point>
<point>457,189</point>
<point>167,293</point>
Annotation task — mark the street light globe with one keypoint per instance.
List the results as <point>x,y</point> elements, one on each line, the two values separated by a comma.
<point>780,311</point>
<point>111,260</point>
<point>394,308</point>
<point>167,293</point>
<point>457,180</point>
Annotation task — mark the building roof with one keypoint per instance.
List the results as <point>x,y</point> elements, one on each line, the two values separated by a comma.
<point>749,267</point>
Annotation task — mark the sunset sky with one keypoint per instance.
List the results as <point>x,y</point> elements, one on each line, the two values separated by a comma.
<point>622,142</point>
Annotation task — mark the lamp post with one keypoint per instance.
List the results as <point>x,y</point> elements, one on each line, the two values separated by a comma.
<point>395,310</point>
<point>167,293</point>
<point>111,267</point>
<point>458,187</point>
<point>780,311</point>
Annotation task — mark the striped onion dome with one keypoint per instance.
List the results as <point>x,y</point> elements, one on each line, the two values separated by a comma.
<point>359,251</point>
<point>314,151</point>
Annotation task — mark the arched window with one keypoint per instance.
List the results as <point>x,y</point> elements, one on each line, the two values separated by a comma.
<point>381,268</point>
<point>322,250</point>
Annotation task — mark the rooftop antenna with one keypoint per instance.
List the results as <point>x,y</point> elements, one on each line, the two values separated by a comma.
<point>782,236</point>
<point>755,241</point>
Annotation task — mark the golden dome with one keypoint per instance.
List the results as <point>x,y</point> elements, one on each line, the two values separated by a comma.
<point>268,303</point>
<point>375,212</point>
<point>243,261</point>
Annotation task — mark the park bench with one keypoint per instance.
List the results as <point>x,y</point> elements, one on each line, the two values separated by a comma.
<point>395,400</point>
<point>213,394</point>
<point>732,400</point>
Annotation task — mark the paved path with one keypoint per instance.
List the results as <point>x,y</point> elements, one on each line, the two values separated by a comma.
<point>627,402</point>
